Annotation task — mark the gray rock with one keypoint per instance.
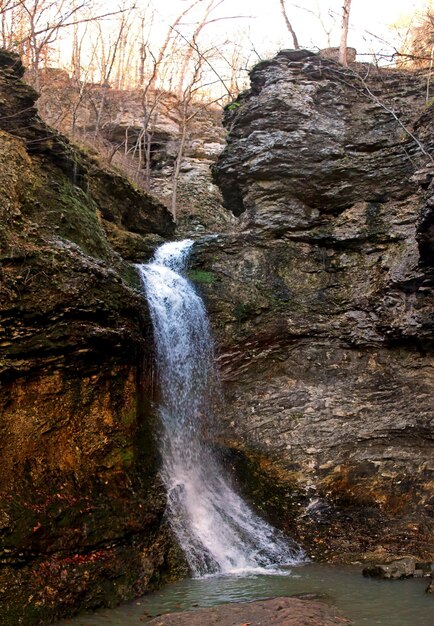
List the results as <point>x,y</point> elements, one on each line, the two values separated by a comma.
<point>322,302</point>
<point>402,568</point>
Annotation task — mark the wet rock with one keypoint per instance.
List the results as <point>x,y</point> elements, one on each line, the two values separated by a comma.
<point>322,303</point>
<point>81,511</point>
<point>278,611</point>
<point>402,568</point>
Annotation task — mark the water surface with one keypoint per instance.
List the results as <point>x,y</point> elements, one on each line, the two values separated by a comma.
<point>366,601</point>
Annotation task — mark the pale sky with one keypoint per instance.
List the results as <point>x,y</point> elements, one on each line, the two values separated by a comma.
<point>369,21</point>
<point>257,29</point>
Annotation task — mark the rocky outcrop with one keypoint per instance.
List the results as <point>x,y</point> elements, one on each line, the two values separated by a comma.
<point>81,508</point>
<point>322,304</point>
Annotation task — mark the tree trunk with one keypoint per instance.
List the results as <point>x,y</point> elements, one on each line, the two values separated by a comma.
<point>289,25</point>
<point>344,32</point>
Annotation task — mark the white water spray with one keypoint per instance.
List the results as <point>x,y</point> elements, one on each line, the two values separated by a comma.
<point>216,529</point>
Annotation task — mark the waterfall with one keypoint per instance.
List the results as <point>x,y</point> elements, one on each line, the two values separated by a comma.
<point>216,529</point>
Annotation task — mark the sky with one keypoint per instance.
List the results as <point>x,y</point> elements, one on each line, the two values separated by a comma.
<point>369,22</point>
<point>257,28</point>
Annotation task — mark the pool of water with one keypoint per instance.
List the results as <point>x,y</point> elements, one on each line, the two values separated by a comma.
<point>366,601</point>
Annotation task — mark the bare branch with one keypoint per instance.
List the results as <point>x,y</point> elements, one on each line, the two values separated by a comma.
<point>58,26</point>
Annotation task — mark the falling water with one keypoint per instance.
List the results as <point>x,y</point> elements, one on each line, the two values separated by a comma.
<point>216,529</point>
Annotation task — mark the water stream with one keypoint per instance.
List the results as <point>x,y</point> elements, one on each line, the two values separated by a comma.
<point>216,529</point>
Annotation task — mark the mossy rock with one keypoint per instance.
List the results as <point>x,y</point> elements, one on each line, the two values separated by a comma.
<point>201,277</point>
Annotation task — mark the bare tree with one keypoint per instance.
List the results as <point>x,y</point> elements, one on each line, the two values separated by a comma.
<point>44,19</point>
<point>6,8</point>
<point>152,96</point>
<point>289,25</point>
<point>107,65</point>
<point>344,32</point>
<point>190,108</point>
<point>212,4</point>
<point>32,27</point>
<point>186,117</point>
<point>417,50</point>
<point>318,14</point>
<point>80,76</point>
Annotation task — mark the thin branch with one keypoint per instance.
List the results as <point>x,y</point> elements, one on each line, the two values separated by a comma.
<point>373,97</point>
<point>195,47</point>
<point>58,26</point>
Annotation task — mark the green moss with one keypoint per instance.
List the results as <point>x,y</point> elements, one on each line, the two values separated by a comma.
<point>127,456</point>
<point>131,277</point>
<point>243,311</point>
<point>78,220</point>
<point>198,276</point>
<point>267,486</point>
<point>129,417</point>
<point>296,416</point>
<point>64,209</point>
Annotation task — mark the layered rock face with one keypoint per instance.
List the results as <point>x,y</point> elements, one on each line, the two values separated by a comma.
<point>124,118</point>
<point>81,507</point>
<point>322,304</point>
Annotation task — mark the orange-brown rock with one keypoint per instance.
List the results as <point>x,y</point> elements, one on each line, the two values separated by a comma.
<point>81,507</point>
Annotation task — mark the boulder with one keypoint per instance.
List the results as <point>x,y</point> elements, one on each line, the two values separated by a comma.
<point>277,611</point>
<point>401,568</point>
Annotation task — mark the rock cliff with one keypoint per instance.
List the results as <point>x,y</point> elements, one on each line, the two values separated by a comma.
<point>322,303</point>
<point>120,134</point>
<point>81,509</point>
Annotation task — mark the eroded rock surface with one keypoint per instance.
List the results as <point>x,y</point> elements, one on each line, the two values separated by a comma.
<point>322,304</point>
<point>278,611</point>
<point>81,509</point>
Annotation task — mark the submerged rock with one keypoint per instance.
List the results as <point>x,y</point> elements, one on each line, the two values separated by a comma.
<point>278,611</point>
